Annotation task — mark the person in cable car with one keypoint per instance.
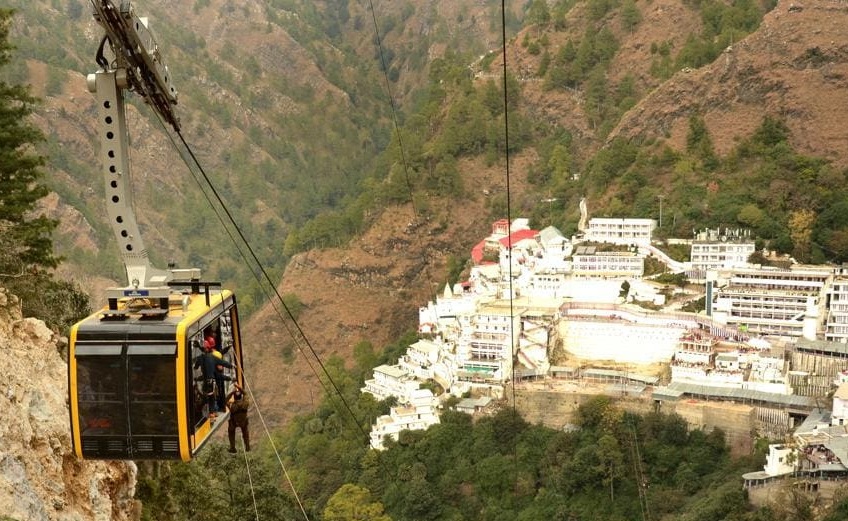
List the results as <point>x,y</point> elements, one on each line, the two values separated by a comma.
<point>208,363</point>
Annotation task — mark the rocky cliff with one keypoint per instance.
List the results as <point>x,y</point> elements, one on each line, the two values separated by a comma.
<point>40,478</point>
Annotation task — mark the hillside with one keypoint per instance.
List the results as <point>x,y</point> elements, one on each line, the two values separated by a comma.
<point>794,67</point>
<point>369,290</point>
<point>285,107</point>
<point>283,103</point>
<point>766,73</point>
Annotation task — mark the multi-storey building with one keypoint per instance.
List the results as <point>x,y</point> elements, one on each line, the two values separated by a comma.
<point>504,236</point>
<point>420,359</point>
<point>694,357</point>
<point>588,262</point>
<point>418,413</point>
<point>607,334</point>
<point>714,249</point>
<point>555,249</point>
<point>487,341</point>
<point>771,301</point>
<point>836,320</point>
<point>391,380</point>
<point>636,232</point>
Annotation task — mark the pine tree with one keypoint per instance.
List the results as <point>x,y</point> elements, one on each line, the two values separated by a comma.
<point>26,243</point>
<point>25,239</point>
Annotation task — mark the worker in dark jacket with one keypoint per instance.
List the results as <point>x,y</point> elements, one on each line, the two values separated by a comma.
<point>239,404</point>
<point>208,363</point>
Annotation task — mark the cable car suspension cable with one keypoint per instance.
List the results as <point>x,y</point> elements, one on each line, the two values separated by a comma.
<point>294,330</point>
<point>297,335</point>
<point>276,452</point>
<point>249,478</point>
<point>394,110</point>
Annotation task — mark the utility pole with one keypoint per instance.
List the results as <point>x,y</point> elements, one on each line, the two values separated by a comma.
<point>661,197</point>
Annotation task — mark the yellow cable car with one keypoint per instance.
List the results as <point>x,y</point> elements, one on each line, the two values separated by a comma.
<point>137,388</point>
<point>142,384</point>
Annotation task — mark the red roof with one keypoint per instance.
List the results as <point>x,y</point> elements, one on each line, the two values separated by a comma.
<point>514,237</point>
<point>518,236</point>
<point>477,252</point>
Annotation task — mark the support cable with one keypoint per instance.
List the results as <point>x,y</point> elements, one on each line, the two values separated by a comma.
<point>250,479</point>
<point>512,336</point>
<point>513,354</point>
<point>244,374</point>
<point>396,123</point>
<point>641,481</point>
<point>394,110</point>
<point>297,334</point>
<point>276,452</point>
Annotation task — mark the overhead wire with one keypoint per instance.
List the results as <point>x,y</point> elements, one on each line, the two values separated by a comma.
<point>294,330</point>
<point>297,334</point>
<point>244,376</point>
<point>642,483</point>
<point>396,123</point>
<point>384,66</point>
<point>274,447</point>
<point>250,480</point>
<point>514,350</point>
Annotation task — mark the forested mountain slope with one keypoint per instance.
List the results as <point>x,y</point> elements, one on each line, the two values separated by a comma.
<point>726,110</point>
<point>287,107</point>
<point>284,103</point>
<point>621,113</point>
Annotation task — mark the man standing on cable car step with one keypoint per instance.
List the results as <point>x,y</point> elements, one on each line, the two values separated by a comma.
<point>239,404</point>
<point>208,362</point>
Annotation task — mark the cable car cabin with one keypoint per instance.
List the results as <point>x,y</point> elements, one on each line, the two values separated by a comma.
<point>136,378</point>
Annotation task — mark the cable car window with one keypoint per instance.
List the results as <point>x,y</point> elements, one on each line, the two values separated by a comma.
<point>152,389</point>
<point>100,383</point>
<point>167,349</point>
<point>94,350</point>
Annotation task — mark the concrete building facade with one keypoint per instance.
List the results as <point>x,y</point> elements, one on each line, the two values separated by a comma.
<point>620,231</point>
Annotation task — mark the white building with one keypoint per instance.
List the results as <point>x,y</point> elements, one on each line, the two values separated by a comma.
<point>487,341</point>
<point>634,232</point>
<point>780,460</point>
<point>611,335</point>
<point>545,284</point>
<point>555,249</point>
<point>588,262</point>
<point>420,359</point>
<point>694,357</point>
<point>836,320</point>
<point>714,249</point>
<point>418,413</point>
<point>771,301</point>
<point>391,380</point>
<point>839,416</point>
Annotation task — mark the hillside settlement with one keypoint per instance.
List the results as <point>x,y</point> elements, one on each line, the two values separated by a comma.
<point>766,352</point>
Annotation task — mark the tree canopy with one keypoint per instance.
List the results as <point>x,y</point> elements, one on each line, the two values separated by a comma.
<point>26,243</point>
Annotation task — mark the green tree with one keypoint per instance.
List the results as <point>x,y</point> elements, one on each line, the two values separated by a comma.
<point>20,172</point>
<point>26,243</point>
<point>611,462</point>
<point>353,503</point>
<point>630,14</point>
<point>838,244</point>
<point>538,13</point>
<point>560,163</point>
